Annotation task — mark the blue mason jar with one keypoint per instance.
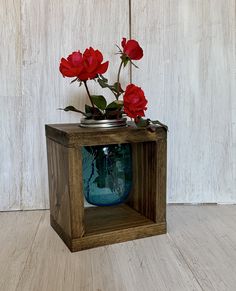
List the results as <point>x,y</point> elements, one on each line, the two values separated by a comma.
<point>107,173</point>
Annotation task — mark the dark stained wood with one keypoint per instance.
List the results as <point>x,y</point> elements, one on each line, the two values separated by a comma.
<point>117,236</point>
<point>148,194</point>
<point>72,135</point>
<point>110,230</point>
<point>106,219</point>
<point>76,192</point>
<point>58,178</point>
<point>161,173</point>
<point>145,212</point>
<point>61,232</point>
<point>65,188</point>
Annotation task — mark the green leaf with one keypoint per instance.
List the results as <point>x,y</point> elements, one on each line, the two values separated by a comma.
<point>72,108</point>
<point>115,105</point>
<point>102,83</point>
<point>117,88</point>
<point>141,122</point>
<point>88,109</point>
<point>99,101</point>
<point>92,111</point>
<point>103,78</point>
<point>113,114</point>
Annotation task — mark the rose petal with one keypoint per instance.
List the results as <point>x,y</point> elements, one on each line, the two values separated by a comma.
<point>103,68</point>
<point>99,56</point>
<point>75,59</point>
<point>123,42</point>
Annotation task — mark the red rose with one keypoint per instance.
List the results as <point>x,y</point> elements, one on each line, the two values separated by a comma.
<point>134,101</point>
<point>92,61</point>
<point>84,67</point>
<point>72,66</point>
<point>132,49</point>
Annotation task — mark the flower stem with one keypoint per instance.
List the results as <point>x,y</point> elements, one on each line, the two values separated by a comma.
<point>87,90</point>
<point>118,78</point>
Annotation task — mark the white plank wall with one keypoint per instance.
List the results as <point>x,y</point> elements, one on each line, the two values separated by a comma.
<point>48,30</point>
<point>11,114</point>
<point>188,74</point>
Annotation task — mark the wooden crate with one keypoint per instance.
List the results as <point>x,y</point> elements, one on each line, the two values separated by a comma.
<point>145,212</point>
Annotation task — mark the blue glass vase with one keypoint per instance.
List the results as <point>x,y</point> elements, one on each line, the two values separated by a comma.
<point>107,173</point>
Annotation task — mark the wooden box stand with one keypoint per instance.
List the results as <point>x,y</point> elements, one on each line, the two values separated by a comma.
<point>142,216</point>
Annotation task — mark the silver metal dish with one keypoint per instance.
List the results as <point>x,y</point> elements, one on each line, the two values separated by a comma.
<point>105,123</point>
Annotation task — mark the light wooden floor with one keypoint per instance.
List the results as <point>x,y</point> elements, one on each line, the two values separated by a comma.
<point>198,253</point>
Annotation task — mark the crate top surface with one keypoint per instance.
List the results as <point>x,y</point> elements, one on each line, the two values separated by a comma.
<point>71,134</point>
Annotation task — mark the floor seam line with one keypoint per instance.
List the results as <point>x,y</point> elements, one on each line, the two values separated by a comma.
<point>30,251</point>
<point>188,265</point>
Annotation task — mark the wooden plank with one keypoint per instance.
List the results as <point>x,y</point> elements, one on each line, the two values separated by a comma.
<point>105,219</point>
<point>65,188</point>
<point>146,264</point>
<point>59,190</point>
<point>10,47</point>
<point>109,225</point>
<point>161,177</point>
<point>206,238</point>
<point>76,195</point>
<point>117,236</point>
<point>17,233</point>
<point>51,30</point>
<point>11,117</point>
<point>148,194</point>
<point>188,76</point>
<point>72,135</point>
<point>11,153</point>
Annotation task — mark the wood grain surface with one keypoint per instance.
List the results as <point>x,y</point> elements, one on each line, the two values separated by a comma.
<point>11,51</point>
<point>211,230</point>
<point>34,36</point>
<point>17,233</point>
<point>11,108</point>
<point>198,253</point>
<point>65,188</point>
<point>58,171</point>
<point>187,73</point>
<point>85,228</point>
<point>148,195</point>
<point>72,135</point>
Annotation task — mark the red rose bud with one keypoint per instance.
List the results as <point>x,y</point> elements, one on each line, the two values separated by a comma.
<point>84,67</point>
<point>134,101</point>
<point>132,49</point>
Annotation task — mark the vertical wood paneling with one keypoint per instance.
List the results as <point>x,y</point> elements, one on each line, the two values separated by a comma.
<point>188,76</point>
<point>10,153</point>
<point>10,47</point>
<point>10,105</point>
<point>52,29</point>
